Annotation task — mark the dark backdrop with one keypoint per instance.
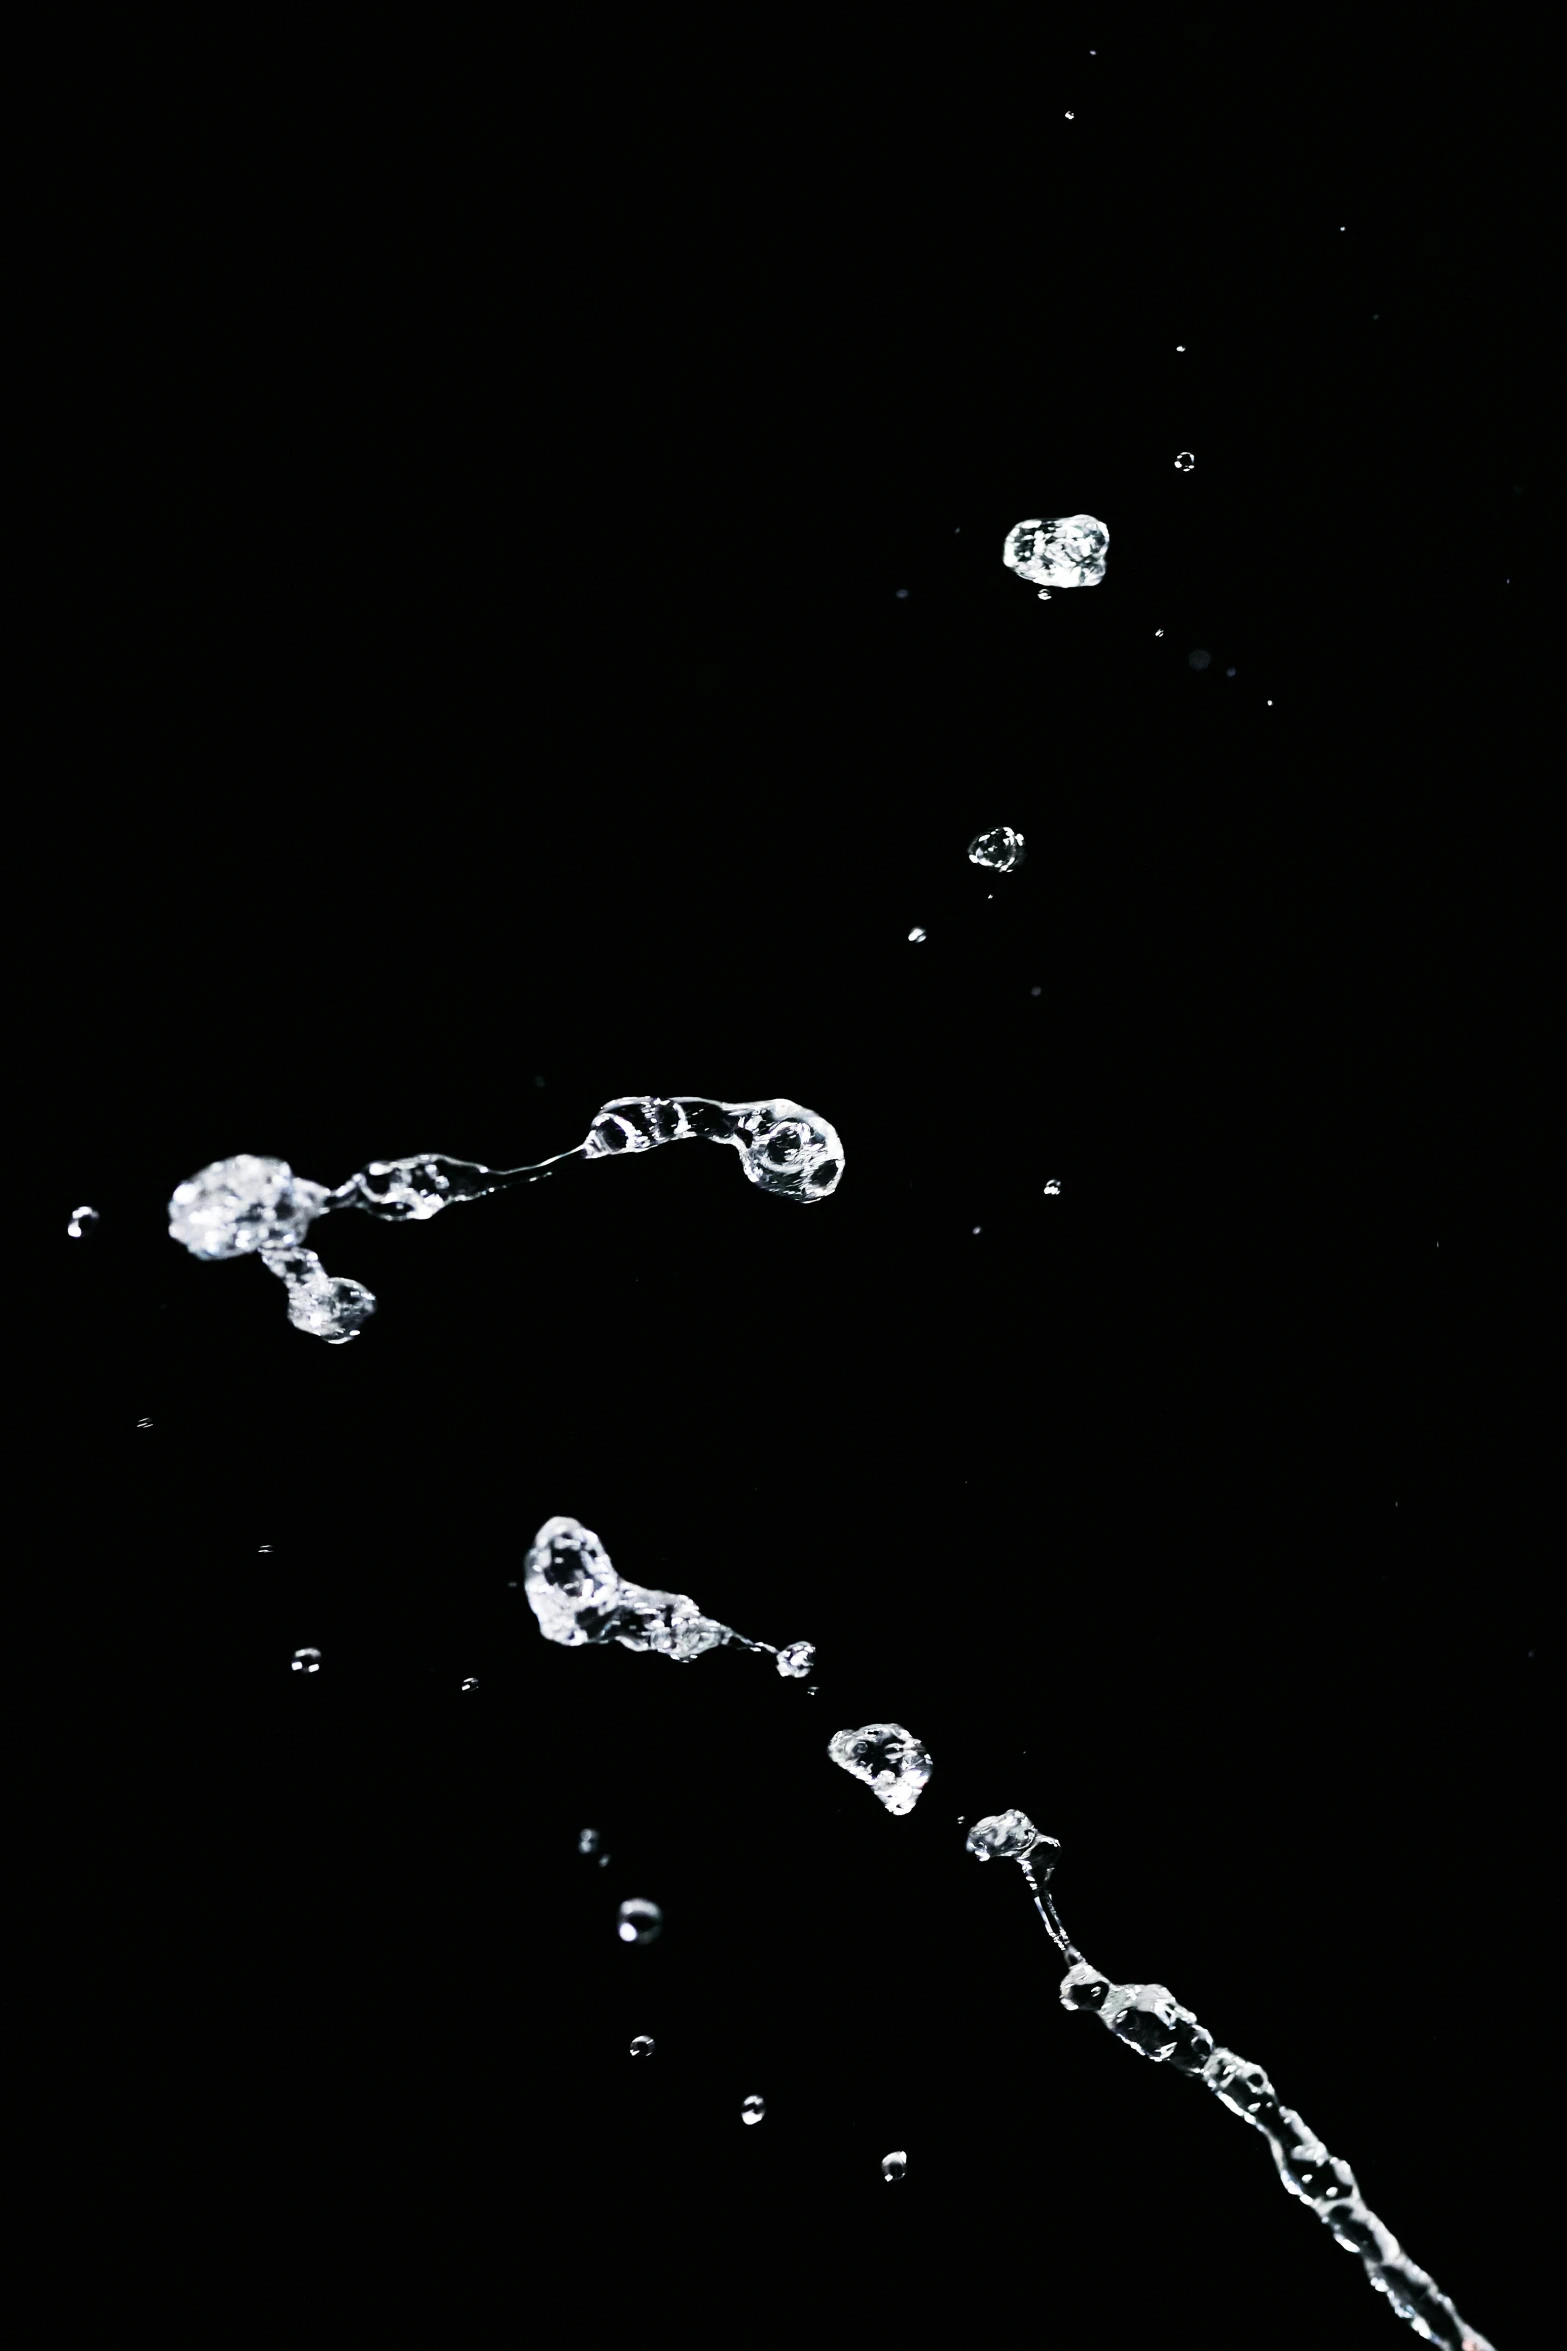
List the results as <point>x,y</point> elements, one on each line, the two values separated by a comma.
<point>521,621</point>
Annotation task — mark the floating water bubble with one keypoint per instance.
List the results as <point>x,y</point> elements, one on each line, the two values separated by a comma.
<point>1198,659</point>
<point>796,1661</point>
<point>894,2166</point>
<point>579,1599</point>
<point>1069,553</point>
<point>1001,849</point>
<point>1185,462</point>
<point>916,935</point>
<point>248,1205</point>
<point>752,2109</point>
<point>82,1221</point>
<point>587,1841</point>
<point>642,2045</point>
<point>889,1759</point>
<point>306,1661</point>
<point>640,1922</point>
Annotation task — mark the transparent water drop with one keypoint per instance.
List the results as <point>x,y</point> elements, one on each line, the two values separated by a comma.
<point>901,594</point>
<point>1001,849</point>
<point>1069,553</point>
<point>1158,632</point>
<point>752,2109</point>
<point>889,1759</point>
<point>1198,659</point>
<point>1070,116</point>
<point>604,1860</point>
<point>1185,462</point>
<point>1053,1185</point>
<point>587,1841</point>
<point>796,1661</point>
<point>82,1221</point>
<point>144,1424</point>
<point>1180,346</point>
<point>243,1204</point>
<point>894,2166</point>
<point>640,1922</point>
<point>263,1550</point>
<point>916,935</point>
<point>1229,673</point>
<point>470,1681</point>
<point>306,1661</point>
<point>642,2045</point>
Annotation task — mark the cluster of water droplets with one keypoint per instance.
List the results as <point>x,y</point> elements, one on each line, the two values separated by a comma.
<point>1069,553</point>
<point>255,1206</point>
<point>1149,2019</point>
<point>580,1599</point>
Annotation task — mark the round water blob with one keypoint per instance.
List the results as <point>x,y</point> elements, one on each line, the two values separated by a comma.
<point>82,1220</point>
<point>1185,462</point>
<point>1198,659</point>
<point>305,1661</point>
<point>752,2109</point>
<point>642,2045</point>
<point>894,2166</point>
<point>1001,849</point>
<point>795,1662</point>
<point>640,1922</point>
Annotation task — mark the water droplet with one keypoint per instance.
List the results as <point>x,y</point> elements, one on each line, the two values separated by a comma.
<point>796,1661</point>
<point>1070,116</point>
<point>1198,659</point>
<point>470,1681</point>
<point>916,934</point>
<point>901,594</point>
<point>976,1228</point>
<point>587,1841</point>
<point>1069,553</point>
<point>1229,673</point>
<point>1185,462</point>
<point>306,1661</point>
<point>1001,849</point>
<point>238,1205</point>
<point>82,1219</point>
<point>1053,1185</point>
<point>144,1424</point>
<point>642,2045</point>
<point>263,1550</point>
<point>1036,991</point>
<point>1180,346</point>
<point>1158,632</point>
<point>752,2110</point>
<point>640,1922</point>
<point>894,2166</point>
<point>812,1691</point>
<point>887,1758</point>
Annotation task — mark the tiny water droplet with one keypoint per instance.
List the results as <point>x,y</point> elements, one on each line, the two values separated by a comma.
<point>1053,1185</point>
<point>1001,849</point>
<point>306,1661</point>
<point>901,594</point>
<point>894,2166</point>
<point>796,1661</point>
<point>1185,462</point>
<point>916,934</point>
<point>1198,659</point>
<point>642,2045</point>
<point>1036,991</point>
<point>640,1922</point>
<point>144,1424</point>
<point>1070,116</point>
<point>1158,632</point>
<point>752,2110</point>
<point>81,1220</point>
<point>470,1681</point>
<point>262,1550</point>
<point>604,1861</point>
<point>587,1841</point>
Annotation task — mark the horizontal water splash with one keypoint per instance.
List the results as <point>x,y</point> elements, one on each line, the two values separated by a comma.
<point>1149,2019</point>
<point>253,1206</point>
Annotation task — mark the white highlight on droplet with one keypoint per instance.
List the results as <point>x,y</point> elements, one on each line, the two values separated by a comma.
<point>81,1218</point>
<point>916,935</point>
<point>1185,461</point>
<point>306,1661</point>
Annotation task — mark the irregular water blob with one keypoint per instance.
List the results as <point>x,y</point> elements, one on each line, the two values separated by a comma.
<point>248,1205</point>
<point>144,1424</point>
<point>1147,2017</point>
<point>796,1661</point>
<point>1053,1185</point>
<point>639,1921</point>
<point>306,1661</point>
<point>916,935</point>
<point>642,2045</point>
<point>1069,553</point>
<point>752,2109</point>
<point>1185,462</point>
<point>470,1681</point>
<point>894,2166</point>
<point>580,1599</point>
<point>82,1219</point>
<point>1001,849</point>
<point>889,1759</point>
<point>587,1841</point>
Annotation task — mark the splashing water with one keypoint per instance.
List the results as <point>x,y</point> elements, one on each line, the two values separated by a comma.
<point>82,1220</point>
<point>1065,554</point>
<point>752,2109</point>
<point>1149,2019</point>
<point>639,1921</point>
<point>888,1759</point>
<point>1001,849</point>
<point>252,1206</point>
<point>579,1599</point>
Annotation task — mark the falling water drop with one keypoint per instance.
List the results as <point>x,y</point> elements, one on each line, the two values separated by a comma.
<point>1198,659</point>
<point>640,1922</point>
<point>470,1681</point>
<point>894,2166</point>
<point>752,2109</point>
<point>587,1841</point>
<point>306,1661</point>
<point>144,1424</point>
<point>1185,462</point>
<point>916,935</point>
<point>1001,849</point>
<point>81,1219</point>
<point>642,2045</point>
<point>887,1758</point>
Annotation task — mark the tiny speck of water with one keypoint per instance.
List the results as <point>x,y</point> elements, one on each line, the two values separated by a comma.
<point>1229,673</point>
<point>916,934</point>
<point>642,2045</point>
<point>1198,659</point>
<point>976,1228</point>
<point>894,2166</point>
<point>306,1661</point>
<point>752,2109</point>
<point>1185,462</point>
<point>640,1922</point>
<point>144,1424</point>
<point>587,1841</point>
<point>1070,116</point>
<point>81,1218</point>
<point>900,593</point>
<point>1036,991</point>
<point>470,1681</point>
<point>262,1550</point>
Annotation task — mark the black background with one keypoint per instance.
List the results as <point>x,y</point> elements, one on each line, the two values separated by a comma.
<point>475,684</point>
